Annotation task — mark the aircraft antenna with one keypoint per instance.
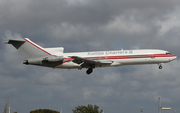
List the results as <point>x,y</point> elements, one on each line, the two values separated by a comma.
<point>61,110</point>
<point>159,103</point>
<point>7,108</point>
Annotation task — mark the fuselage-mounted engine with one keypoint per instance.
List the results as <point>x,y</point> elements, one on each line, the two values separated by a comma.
<point>45,61</point>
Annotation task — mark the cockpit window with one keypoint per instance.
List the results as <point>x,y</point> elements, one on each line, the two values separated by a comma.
<point>168,53</point>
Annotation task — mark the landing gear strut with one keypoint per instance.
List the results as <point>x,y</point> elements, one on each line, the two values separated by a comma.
<point>89,71</point>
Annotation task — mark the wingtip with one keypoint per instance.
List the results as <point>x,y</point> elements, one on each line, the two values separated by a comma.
<point>6,42</point>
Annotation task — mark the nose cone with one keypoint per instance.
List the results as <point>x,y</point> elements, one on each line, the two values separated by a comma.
<point>173,58</point>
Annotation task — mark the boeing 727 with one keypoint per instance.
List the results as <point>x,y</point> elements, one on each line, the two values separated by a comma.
<point>56,58</point>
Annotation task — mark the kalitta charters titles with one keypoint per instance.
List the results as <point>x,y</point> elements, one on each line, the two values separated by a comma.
<point>111,52</point>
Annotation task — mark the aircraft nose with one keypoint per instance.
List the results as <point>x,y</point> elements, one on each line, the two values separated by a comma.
<point>173,58</point>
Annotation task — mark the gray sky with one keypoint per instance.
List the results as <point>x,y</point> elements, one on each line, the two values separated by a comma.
<point>86,25</point>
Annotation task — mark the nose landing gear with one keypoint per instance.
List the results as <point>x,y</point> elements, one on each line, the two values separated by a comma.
<point>160,66</point>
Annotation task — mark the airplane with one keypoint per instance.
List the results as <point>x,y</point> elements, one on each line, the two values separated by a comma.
<point>56,58</point>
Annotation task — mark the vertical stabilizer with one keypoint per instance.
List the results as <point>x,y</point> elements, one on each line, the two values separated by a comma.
<point>28,48</point>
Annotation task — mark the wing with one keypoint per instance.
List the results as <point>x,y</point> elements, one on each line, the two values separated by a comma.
<point>87,62</point>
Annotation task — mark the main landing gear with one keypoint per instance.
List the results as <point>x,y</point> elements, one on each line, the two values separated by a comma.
<point>89,71</point>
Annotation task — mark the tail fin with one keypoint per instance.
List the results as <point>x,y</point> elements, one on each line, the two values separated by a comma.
<point>28,48</point>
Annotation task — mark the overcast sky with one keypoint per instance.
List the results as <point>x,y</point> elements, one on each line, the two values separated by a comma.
<point>89,25</point>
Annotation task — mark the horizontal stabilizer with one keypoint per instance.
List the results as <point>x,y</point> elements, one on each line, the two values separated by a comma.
<point>16,42</point>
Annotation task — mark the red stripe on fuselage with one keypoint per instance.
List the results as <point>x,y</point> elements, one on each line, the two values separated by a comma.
<point>130,56</point>
<point>123,57</point>
<point>70,59</point>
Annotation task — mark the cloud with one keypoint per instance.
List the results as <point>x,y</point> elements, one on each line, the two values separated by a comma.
<point>170,22</point>
<point>125,25</point>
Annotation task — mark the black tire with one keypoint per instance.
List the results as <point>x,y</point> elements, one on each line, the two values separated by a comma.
<point>89,71</point>
<point>160,67</point>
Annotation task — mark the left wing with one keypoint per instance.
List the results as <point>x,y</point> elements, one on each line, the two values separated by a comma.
<point>87,62</point>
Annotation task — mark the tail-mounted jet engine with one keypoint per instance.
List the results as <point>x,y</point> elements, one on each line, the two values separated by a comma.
<point>53,59</point>
<point>46,60</point>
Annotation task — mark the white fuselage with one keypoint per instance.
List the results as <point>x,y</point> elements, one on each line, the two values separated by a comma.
<point>56,58</point>
<point>119,57</point>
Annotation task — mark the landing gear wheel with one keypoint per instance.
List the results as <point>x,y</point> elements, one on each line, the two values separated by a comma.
<point>89,71</point>
<point>160,66</point>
